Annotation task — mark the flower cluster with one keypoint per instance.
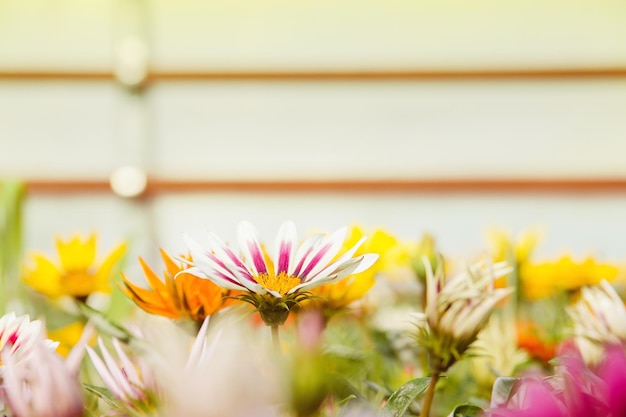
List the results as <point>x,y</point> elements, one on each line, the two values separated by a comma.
<point>354,322</point>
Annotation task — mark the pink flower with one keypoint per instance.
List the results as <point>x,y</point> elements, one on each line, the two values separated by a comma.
<point>576,391</point>
<point>41,385</point>
<point>613,372</point>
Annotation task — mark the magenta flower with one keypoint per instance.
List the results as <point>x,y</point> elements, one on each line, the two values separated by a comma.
<point>612,371</point>
<point>576,390</point>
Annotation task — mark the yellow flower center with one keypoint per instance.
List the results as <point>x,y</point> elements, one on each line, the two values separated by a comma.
<point>280,283</point>
<point>77,282</point>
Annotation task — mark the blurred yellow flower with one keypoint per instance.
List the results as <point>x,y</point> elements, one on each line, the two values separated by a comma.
<point>496,351</point>
<point>77,274</point>
<point>516,252</point>
<point>545,279</point>
<point>506,248</point>
<point>186,296</point>
<point>67,337</point>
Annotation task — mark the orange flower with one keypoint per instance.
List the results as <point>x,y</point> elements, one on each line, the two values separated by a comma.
<point>187,296</point>
<point>533,340</point>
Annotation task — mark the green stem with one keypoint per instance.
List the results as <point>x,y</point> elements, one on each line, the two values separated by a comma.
<point>276,339</point>
<point>430,394</point>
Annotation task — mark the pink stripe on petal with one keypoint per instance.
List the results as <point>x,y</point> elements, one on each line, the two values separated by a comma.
<point>250,248</point>
<point>284,257</point>
<point>226,250</point>
<point>315,260</point>
<point>257,258</point>
<point>286,241</point>
<point>303,252</point>
<point>329,248</point>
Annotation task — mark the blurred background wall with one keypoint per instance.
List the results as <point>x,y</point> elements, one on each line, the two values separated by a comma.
<point>444,117</point>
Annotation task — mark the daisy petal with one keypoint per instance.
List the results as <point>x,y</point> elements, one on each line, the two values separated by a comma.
<point>323,253</point>
<point>251,248</point>
<point>286,243</point>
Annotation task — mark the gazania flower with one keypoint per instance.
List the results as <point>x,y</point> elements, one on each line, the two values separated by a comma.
<point>457,309</point>
<point>129,382</point>
<point>274,283</point>
<point>599,319</point>
<point>185,296</point>
<point>43,385</point>
<point>77,274</point>
<point>19,335</point>
<point>577,391</point>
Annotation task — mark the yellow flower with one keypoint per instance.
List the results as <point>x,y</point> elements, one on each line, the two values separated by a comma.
<point>505,248</point>
<point>545,279</point>
<point>67,337</point>
<point>516,252</point>
<point>337,296</point>
<point>185,296</point>
<point>77,274</point>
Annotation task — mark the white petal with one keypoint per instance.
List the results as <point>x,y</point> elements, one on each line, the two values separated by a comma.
<point>251,248</point>
<point>303,252</point>
<point>223,251</point>
<point>127,364</point>
<point>219,281</point>
<point>104,373</point>
<point>199,345</point>
<point>114,369</point>
<point>323,253</point>
<point>285,247</point>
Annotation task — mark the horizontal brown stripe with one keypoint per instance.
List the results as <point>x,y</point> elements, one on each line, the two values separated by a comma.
<point>157,187</point>
<point>156,76</point>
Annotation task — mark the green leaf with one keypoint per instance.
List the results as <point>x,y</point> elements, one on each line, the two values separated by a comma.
<point>103,323</point>
<point>467,410</point>
<point>401,399</point>
<point>11,204</point>
<point>102,393</point>
<point>503,389</point>
<point>341,388</point>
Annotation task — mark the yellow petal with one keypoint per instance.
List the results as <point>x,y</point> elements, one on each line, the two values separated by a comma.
<point>44,277</point>
<point>76,254</point>
<point>104,275</point>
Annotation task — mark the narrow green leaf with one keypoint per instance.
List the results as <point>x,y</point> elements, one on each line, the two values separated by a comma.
<point>467,410</point>
<point>103,323</point>
<point>102,393</point>
<point>401,399</point>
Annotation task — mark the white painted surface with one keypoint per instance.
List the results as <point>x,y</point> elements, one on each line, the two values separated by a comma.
<point>579,225</point>
<point>325,130</point>
<point>316,34</point>
<point>373,130</point>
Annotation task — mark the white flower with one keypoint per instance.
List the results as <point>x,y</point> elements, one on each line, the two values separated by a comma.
<point>599,318</point>
<point>294,267</point>
<point>19,335</point>
<point>457,309</point>
<point>128,380</point>
<point>225,373</point>
<point>461,305</point>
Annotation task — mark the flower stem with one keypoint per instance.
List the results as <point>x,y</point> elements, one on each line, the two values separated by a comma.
<point>430,394</point>
<point>276,340</point>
